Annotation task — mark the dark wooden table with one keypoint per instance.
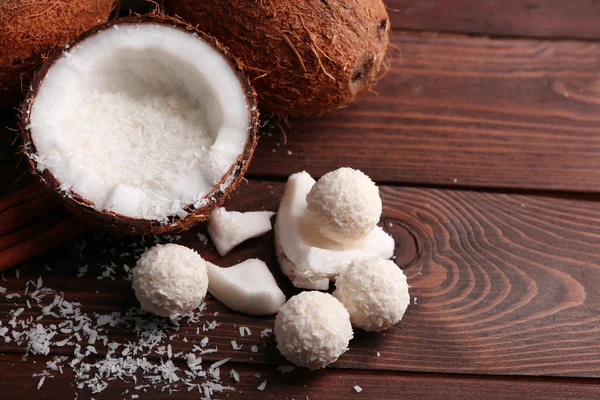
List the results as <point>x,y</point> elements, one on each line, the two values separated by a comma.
<point>487,152</point>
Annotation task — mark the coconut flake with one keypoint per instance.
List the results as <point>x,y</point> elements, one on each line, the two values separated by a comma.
<point>262,386</point>
<point>266,332</point>
<point>234,374</point>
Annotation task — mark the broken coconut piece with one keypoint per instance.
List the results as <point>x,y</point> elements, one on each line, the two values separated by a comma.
<point>313,329</point>
<point>227,229</point>
<point>307,257</point>
<point>170,280</point>
<point>144,124</point>
<point>248,287</point>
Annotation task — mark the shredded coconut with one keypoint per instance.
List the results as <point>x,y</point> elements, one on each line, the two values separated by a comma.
<point>262,386</point>
<point>139,161</point>
<point>266,332</point>
<point>234,374</point>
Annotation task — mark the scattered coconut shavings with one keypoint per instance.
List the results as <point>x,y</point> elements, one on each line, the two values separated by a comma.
<point>41,382</point>
<point>262,386</point>
<point>97,358</point>
<point>266,332</point>
<point>219,363</point>
<point>98,353</point>
<point>208,351</point>
<point>358,389</point>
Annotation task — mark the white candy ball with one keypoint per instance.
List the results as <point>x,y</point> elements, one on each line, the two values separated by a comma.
<point>345,205</point>
<point>170,280</point>
<point>313,329</point>
<point>375,293</point>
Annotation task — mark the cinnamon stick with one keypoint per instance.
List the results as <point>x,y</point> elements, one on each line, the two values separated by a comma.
<point>23,207</point>
<point>32,222</point>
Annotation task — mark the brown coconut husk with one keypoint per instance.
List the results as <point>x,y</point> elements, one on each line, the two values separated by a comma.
<point>120,223</point>
<point>304,57</point>
<point>30,29</point>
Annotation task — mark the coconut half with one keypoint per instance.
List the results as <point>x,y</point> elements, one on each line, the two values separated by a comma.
<point>143,123</point>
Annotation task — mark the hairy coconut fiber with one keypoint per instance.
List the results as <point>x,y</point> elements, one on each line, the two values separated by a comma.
<point>29,29</point>
<point>304,57</point>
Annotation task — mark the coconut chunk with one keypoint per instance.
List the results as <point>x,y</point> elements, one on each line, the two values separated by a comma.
<point>307,257</point>
<point>227,229</point>
<point>248,287</point>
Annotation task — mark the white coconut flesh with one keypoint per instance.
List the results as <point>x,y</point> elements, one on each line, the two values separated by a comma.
<point>227,229</point>
<point>248,287</point>
<point>308,258</point>
<point>141,120</point>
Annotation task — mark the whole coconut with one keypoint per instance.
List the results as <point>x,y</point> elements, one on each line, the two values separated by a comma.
<point>303,57</point>
<point>30,29</point>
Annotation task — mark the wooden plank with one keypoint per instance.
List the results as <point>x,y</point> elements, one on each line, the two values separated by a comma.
<point>13,178</point>
<point>538,18</point>
<point>17,381</point>
<point>503,284</point>
<point>461,111</point>
<point>456,111</point>
<point>8,132</point>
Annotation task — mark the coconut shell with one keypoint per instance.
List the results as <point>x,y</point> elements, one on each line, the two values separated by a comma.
<point>31,29</point>
<point>303,57</point>
<point>123,224</point>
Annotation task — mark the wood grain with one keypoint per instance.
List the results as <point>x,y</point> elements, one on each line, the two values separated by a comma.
<point>538,18</point>
<point>13,178</point>
<point>18,383</point>
<point>504,284</point>
<point>461,111</point>
<point>456,110</point>
<point>23,207</point>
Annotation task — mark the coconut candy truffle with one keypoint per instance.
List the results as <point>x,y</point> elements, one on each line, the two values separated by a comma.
<point>313,329</point>
<point>170,280</point>
<point>375,293</point>
<point>345,205</point>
